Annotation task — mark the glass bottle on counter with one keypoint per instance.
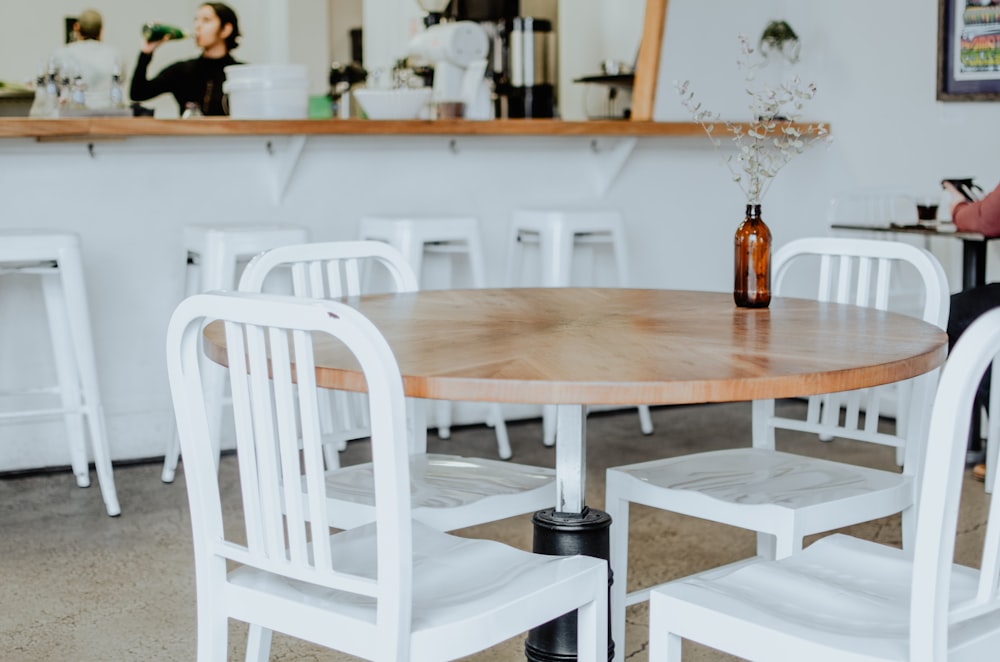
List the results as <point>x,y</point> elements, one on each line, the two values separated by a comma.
<point>44,104</point>
<point>117,93</point>
<point>78,94</point>
<point>158,31</point>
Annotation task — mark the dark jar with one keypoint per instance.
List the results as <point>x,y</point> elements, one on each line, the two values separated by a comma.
<point>752,261</point>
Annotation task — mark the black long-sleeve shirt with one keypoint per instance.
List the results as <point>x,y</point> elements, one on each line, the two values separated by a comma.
<point>196,81</point>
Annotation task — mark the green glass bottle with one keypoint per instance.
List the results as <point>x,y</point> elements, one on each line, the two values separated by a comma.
<point>158,31</point>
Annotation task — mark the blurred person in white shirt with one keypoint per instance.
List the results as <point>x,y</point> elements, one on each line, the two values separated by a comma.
<point>94,61</point>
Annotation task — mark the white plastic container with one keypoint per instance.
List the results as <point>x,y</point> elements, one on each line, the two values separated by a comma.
<point>267,91</point>
<point>395,104</point>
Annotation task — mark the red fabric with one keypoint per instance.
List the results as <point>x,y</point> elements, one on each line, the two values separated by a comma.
<point>982,216</point>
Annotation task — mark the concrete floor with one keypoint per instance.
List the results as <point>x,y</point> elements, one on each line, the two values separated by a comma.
<point>80,585</point>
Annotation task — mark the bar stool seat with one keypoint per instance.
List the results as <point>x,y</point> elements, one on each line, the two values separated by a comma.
<point>56,258</point>
<point>457,236</point>
<point>215,255</point>
<point>560,236</point>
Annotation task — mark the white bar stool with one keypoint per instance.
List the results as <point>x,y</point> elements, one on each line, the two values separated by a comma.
<point>56,258</point>
<point>459,236</point>
<point>559,234</point>
<point>215,256</point>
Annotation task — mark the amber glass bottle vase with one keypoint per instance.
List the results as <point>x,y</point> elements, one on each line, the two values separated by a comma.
<point>752,261</point>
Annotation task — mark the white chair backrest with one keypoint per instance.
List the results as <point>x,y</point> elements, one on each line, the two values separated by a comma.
<point>931,611</point>
<point>860,272</point>
<point>270,340</point>
<point>872,205</point>
<point>329,270</point>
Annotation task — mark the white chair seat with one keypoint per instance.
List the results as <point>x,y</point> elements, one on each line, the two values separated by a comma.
<point>447,491</point>
<point>794,495</point>
<point>463,590</point>
<point>856,607</point>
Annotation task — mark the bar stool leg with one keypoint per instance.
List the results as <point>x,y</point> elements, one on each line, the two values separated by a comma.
<point>74,296</point>
<point>67,374</point>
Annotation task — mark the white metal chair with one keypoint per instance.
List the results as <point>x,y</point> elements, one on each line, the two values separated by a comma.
<point>454,237</point>
<point>394,589</point>
<point>56,259</point>
<point>844,599</point>
<point>450,491</point>
<point>562,235</point>
<point>214,255</point>
<point>785,496</point>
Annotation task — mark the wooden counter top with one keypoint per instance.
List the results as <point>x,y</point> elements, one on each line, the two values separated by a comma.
<point>97,128</point>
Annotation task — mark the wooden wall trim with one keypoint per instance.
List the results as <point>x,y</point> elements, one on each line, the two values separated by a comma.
<point>647,66</point>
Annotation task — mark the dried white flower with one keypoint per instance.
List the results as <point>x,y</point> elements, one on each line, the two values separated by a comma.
<point>771,138</point>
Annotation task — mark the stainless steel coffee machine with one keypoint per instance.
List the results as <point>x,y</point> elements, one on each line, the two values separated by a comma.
<point>523,64</point>
<point>530,68</point>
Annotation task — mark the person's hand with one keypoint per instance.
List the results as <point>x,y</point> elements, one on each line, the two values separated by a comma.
<point>956,196</point>
<point>149,46</point>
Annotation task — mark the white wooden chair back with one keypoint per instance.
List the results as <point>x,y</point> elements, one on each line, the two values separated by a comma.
<point>266,336</point>
<point>859,272</point>
<point>330,270</point>
<point>932,610</point>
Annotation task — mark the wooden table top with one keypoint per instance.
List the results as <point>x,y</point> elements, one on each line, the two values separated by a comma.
<point>628,346</point>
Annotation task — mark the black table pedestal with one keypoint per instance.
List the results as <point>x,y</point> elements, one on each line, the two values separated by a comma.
<point>566,534</point>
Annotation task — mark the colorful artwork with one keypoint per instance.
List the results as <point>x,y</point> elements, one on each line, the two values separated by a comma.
<point>968,50</point>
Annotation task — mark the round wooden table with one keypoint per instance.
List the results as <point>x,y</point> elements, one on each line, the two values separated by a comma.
<point>574,347</point>
<point>587,346</point>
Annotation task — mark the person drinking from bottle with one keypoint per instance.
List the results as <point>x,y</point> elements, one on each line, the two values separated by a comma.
<point>196,84</point>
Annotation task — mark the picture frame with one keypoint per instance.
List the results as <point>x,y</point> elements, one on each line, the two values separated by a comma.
<point>968,50</point>
<point>69,28</point>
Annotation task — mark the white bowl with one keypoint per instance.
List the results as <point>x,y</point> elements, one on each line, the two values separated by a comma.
<point>398,104</point>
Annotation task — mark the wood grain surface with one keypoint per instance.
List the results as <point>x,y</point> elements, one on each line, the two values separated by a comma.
<point>628,346</point>
<point>104,128</point>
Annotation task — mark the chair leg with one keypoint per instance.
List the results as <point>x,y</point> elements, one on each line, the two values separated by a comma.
<point>442,414</point>
<point>618,509</point>
<point>645,420</point>
<point>102,461</point>
<point>67,374</point>
<point>213,634</point>
<point>170,458</point>
<point>496,421</point>
<point>664,646</point>
<point>591,630</point>
<point>549,425</point>
<point>258,644</point>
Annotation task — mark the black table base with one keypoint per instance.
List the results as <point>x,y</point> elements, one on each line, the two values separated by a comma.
<point>566,534</point>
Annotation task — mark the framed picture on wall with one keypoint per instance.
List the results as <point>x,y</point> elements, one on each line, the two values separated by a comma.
<point>968,50</point>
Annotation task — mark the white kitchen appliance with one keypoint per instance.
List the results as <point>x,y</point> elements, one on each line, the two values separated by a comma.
<point>457,51</point>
